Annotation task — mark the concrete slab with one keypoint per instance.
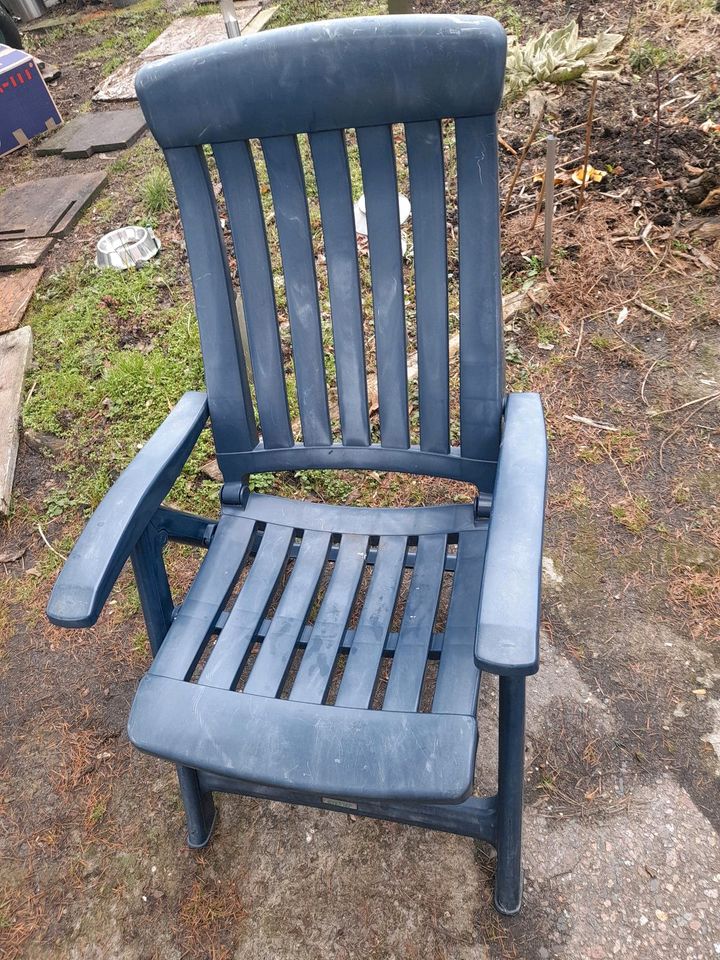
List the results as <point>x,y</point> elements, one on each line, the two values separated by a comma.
<point>15,354</point>
<point>644,884</point>
<point>46,207</point>
<point>23,253</point>
<point>185,33</point>
<point>16,289</point>
<point>99,132</point>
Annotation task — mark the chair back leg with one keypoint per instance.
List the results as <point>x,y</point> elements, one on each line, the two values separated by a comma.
<point>511,772</point>
<point>157,607</point>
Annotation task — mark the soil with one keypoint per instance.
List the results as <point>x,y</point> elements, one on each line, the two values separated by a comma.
<point>623,808</point>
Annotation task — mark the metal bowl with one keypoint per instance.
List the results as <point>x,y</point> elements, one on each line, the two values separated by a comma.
<point>126,247</point>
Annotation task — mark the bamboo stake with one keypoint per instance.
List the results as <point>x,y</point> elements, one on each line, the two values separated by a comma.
<point>549,182</point>
<point>588,134</point>
<point>521,160</point>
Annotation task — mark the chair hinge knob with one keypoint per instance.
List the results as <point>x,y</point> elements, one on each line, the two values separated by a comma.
<point>235,494</point>
<point>209,534</point>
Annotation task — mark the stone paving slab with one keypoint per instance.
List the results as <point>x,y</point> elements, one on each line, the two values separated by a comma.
<point>47,207</point>
<point>184,33</point>
<point>99,132</point>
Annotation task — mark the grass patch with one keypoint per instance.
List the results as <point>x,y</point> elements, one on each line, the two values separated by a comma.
<point>633,513</point>
<point>113,354</point>
<point>645,55</point>
<point>157,191</point>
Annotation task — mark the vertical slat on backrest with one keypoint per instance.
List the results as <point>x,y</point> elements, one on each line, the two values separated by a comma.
<point>287,182</point>
<point>427,196</point>
<point>329,153</point>
<point>231,411</point>
<point>240,188</point>
<point>377,160</point>
<point>481,348</point>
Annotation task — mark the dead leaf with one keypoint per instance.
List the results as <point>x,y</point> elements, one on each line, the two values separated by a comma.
<point>592,175</point>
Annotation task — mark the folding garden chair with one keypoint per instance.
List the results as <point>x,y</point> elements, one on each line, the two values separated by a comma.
<point>266,679</point>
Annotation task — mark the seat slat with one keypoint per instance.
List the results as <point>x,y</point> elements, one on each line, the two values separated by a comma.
<point>481,347</point>
<point>377,160</point>
<point>240,189</point>
<point>287,182</point>
<point>332,175</point>
<point>313,677</point>
<point>272,663</point>
<point>190,630</point>
<point>458,679</point>
<point>413,645</point>
<point>229,399</point>
<point>429,226</point>
<point>360,675</point>
<point>227,659</point>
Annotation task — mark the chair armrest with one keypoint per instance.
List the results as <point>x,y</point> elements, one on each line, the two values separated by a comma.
<point>115,527</point>
<point>507,636</point>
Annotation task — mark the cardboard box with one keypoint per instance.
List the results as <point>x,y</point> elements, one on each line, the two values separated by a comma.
<point>26,107</point>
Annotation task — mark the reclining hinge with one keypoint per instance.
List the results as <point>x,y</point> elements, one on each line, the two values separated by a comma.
<point>481,507</point>
<point>209,534</point>
<point>235,494</point>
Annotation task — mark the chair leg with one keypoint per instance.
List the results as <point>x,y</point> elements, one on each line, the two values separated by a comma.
<point>511,761</point>
<point>157,607</point>
<point>200,811</point>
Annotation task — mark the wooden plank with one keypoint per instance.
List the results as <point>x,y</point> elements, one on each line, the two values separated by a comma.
<point>16,290</point>
<point>15,354</point>
<point>46,207</point>
<point>23,253</point>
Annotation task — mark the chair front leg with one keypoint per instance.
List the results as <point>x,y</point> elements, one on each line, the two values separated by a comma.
<point>511,772</point>
<point>157,607</point>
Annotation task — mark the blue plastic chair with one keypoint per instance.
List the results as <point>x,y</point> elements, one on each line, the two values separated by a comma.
<point>225,698</point>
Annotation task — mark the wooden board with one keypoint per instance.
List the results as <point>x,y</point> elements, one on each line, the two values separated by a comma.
<point>46,207</point>
<point>16,289</point>
<point>185,33</point>
<point>23,253</point>
<point>15,354</point>
<point>99,132</point>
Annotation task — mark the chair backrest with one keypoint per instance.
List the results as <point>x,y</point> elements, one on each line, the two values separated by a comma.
<point>342,81</point>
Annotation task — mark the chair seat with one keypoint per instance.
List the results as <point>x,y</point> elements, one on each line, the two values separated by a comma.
<point>326,649</point>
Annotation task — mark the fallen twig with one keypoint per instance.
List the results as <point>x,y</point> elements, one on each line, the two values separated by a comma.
<point>49,545</point>
<point>683,406</point>
<point>680,426</point>
<point>592,423</point>
<point>649,309</point>
<point>645,378</point>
